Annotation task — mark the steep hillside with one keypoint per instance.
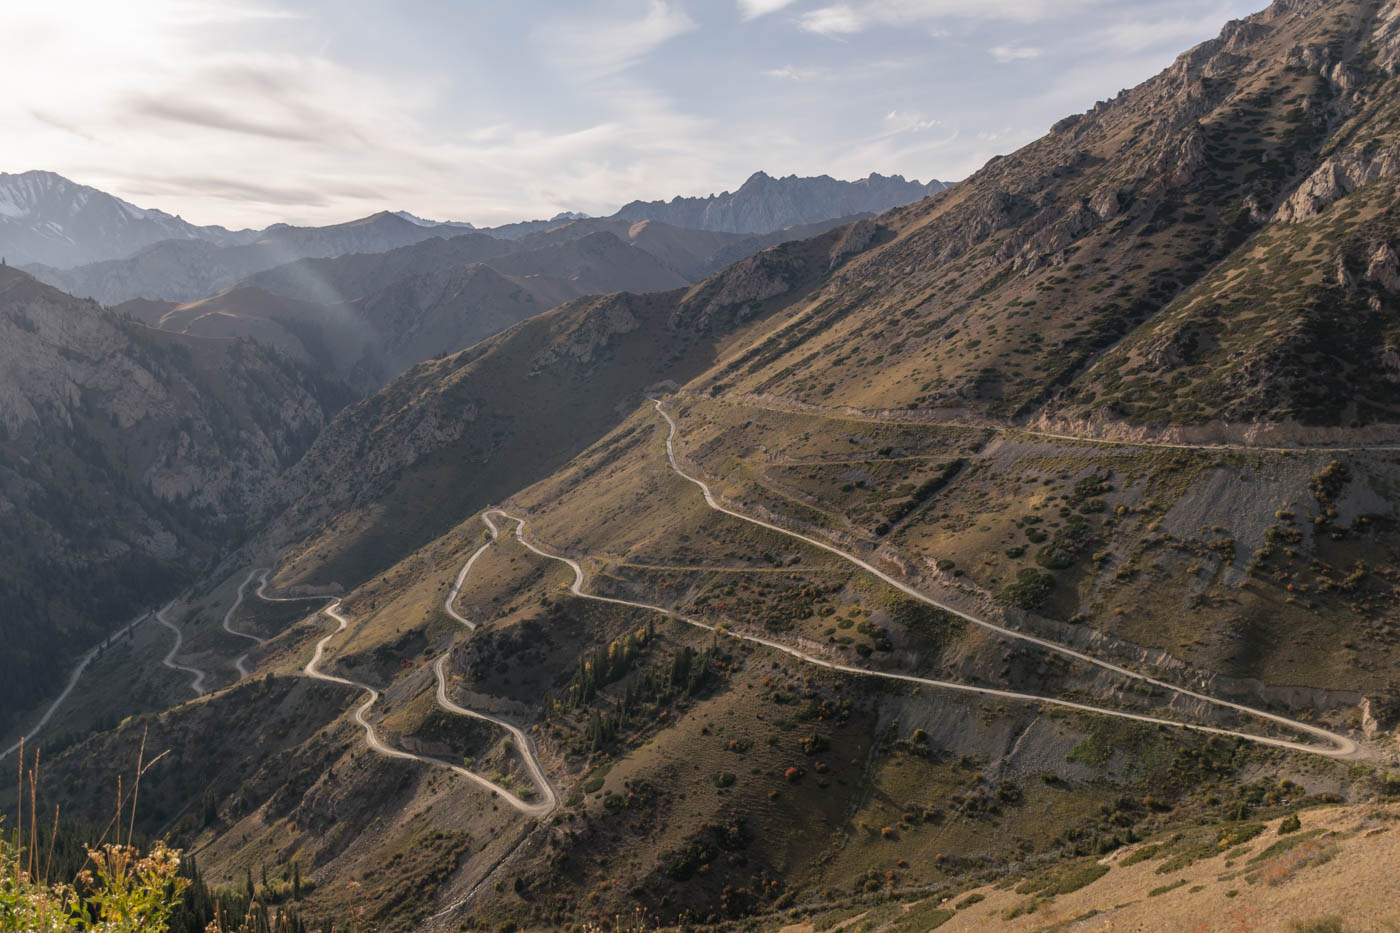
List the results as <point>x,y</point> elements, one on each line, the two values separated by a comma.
<point>128,458</point>
<point>45,218</point>
<point>513,408</point>
<point>1001,295</point>
<point>764,203</point>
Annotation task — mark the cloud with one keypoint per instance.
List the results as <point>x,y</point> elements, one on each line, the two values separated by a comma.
<point>752,9</point>
<point>839,20</point>
<point>849,18</point>
<point>899,121</point>
<point>1014,53</point>
<point>199,114</point>
<point>793,73</point>
<point>242,113</point>
<point>1138,34</point>
<point>602,47</point>
<point>234,189</point>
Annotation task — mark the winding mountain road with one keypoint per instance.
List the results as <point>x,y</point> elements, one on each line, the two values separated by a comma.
<point>197,685</point>
<point>526,745</point>
<point>1339,746</point>
<point>1333,745</point>
<point>73,677</point>
<point>313,669</point>
<point>529,754</point>
<point>451,603</point>
<point>239,662</point>
<point>868,417</point>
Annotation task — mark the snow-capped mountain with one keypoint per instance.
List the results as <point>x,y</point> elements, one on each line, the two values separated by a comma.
<point>424,222</point>
<point>47,218</point>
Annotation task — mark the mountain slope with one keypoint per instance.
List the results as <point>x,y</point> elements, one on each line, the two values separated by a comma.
<point>364,318</point>
<point>764,203</point>
<point>128,457</point>
<point>1000,295</point>
<point>45,218</point>
<point>513,407</point>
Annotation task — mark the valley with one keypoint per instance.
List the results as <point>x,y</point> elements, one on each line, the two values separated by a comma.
<point>1019,553</point>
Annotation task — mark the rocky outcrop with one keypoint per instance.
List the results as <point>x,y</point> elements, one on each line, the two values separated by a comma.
<point>1384,267</point>
<point>607,318</point>
<point>855,239</point>
<point>1057,230</point>
<point>1339,176</point>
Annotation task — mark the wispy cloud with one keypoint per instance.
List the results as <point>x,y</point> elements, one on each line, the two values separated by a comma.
<point>792,73</point>
<point>845,19</point>
<point>840,20</point>
<point>902,121</point>
<point>752,9</point>
<point>1014,53</point>
<point>603,47</point>
<point>245,112</point>
<point>1139,33</point>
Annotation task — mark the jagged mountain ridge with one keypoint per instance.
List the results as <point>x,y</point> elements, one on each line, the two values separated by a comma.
<point>45,218</point>
<point>764,203</point>
<point>189,267</point>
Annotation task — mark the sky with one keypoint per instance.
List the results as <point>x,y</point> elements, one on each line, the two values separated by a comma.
<point>250,112</point>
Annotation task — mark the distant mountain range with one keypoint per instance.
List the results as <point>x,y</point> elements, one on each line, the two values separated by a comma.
<point>45,218</point>
<point>49,225</point>
<point>766,203</point>
<point>189,269</point>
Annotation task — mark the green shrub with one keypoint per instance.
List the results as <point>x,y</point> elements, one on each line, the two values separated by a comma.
<point>125,891</point>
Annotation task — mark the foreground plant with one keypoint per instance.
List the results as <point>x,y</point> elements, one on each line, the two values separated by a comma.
<point>118,890</point>
<point>124,892</point>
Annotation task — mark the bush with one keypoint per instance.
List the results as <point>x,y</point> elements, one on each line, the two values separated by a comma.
<point>126,891</point>
<point>1031,589</point>
<point>1291,824</point>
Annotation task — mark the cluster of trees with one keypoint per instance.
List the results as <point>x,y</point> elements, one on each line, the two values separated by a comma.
<point>605,665</point>
<point>686,673</point>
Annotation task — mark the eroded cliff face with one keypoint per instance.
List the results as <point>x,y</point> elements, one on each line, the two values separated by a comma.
<point>128,459</point>
<point>184,418</point>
